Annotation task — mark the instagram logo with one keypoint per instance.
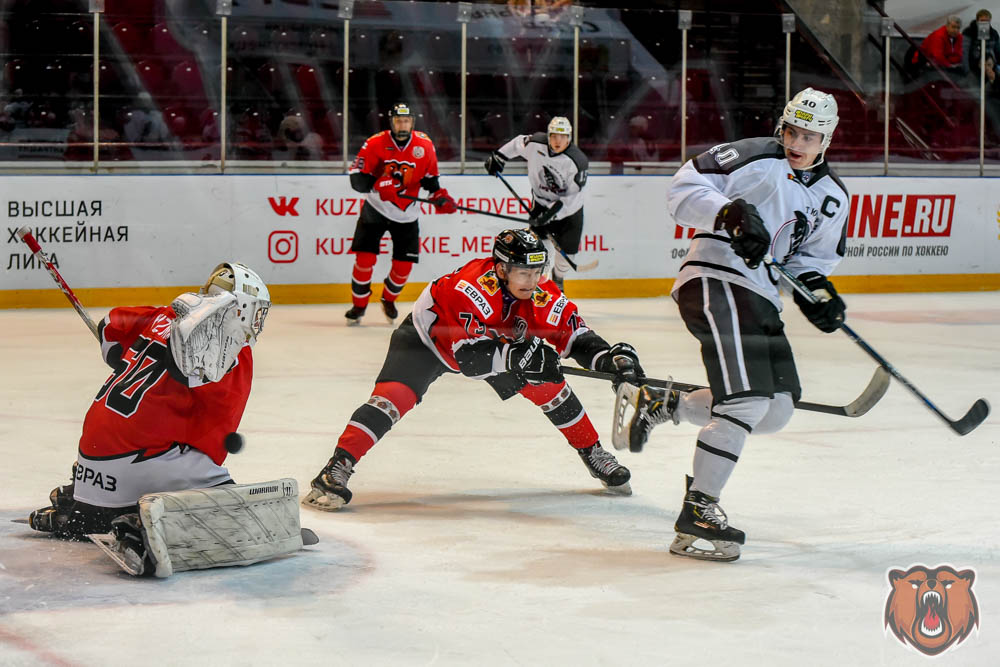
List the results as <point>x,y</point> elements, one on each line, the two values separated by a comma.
<point>283,247</point>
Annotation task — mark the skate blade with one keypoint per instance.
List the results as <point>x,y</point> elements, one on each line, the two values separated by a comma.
<point>320,501</point>
<point>309,538</point>
<point>354,323</point>
<point>620,490</point>
<point>722,551</point>
<point>20,521</point>
<point>626,399</point>
<point>108,544</point>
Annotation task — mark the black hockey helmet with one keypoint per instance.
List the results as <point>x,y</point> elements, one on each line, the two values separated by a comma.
<point>520,247</point>
<point>400,110</point>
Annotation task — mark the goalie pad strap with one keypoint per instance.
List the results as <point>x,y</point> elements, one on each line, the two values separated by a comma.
<point>236,524</point>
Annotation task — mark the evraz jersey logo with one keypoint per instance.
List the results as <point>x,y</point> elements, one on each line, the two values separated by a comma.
<point>477,298</point>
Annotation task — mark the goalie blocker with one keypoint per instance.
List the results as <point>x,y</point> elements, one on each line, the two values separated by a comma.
<point>234,524</point>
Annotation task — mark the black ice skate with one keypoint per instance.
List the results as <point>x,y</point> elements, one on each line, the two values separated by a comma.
<point>354,316</point>
<point>329,489</point>
<point>602,465</point>
<point>389,308</point>
<point>653,406</point>
<point>650,406</point>
<point>701,518</point>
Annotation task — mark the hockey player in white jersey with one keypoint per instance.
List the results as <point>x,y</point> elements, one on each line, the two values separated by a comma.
<point>557,171</point>
<point>746,199</point>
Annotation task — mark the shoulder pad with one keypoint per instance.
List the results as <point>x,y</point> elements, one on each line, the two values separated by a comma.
<point>576,155</point>
<point>727,158</point>
<point>420,134</point>
<point>538,138</point>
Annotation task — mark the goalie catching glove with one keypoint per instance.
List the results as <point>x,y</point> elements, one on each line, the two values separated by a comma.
<point>207,334</point>
<point>622,360</point>
<point>828,310</point>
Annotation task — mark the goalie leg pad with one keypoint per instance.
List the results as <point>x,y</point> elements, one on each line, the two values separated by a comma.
<point>221,526</point>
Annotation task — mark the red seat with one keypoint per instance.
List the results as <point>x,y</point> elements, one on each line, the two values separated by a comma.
<point>163,42</point>
<point>187,79</point>
<point>152,74</point>
<point>307,78</point>
<point>269,75</point>
<point>129,37</point>
<point>181,123</point>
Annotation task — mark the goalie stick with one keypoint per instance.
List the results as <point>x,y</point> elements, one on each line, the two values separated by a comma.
<point>544,219</point>
<point>875,390</point>
<point>24,233</point>
<point>975,416</point>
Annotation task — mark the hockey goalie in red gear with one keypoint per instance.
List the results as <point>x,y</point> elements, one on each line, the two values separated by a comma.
<point>397,161</point>
<point>495,319</point>
<point>180,380</point>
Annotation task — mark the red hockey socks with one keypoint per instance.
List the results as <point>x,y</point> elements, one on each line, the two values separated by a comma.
<point>397,277</point>
<point>361,278</point>
<point>369,423</point>
<point>564,410</point>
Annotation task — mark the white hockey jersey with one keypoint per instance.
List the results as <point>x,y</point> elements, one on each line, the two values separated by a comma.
<point>553,176</point>
<point>757,171</point>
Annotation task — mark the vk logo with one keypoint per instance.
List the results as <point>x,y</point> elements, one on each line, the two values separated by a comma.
<point>283,206</point>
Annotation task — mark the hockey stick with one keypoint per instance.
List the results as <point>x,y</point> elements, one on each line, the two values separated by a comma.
<point>24,233</point>
<point>875,390</point>
<point>544,219</point>
<point>979,411</point>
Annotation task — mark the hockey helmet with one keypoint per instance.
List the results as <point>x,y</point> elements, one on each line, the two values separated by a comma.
<point>520,247</point>
<point>253,298</point>
<point>401,110</point>
<point>560,125</point>
<point>811,110</point>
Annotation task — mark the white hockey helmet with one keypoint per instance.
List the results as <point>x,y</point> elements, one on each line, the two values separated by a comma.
<point>811,110</point>
<point>560,125</point>
<point>252,296</point>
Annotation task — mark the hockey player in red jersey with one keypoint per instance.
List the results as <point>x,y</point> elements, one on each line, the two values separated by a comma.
<point>396,161</point>
<point>180,382</point>
<point>495,319</point>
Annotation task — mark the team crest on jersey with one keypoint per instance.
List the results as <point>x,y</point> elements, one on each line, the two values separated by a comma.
<point>557,309</point>
<point>418,151</point>
<point>540,297</point>
<point>477,298</point>
<point>551,182</point>
<point>489,282</point>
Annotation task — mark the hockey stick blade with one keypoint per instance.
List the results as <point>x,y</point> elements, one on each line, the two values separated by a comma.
<point>976,415</point>
<point>861,405</point>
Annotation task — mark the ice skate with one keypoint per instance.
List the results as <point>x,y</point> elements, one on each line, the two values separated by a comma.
<point>389,308</point>
<point>329,489</point>
<point>354,316</point>
<point>54,518</point>
<point>650,406</point>
<point>602,465</point>
<point>701,518</point>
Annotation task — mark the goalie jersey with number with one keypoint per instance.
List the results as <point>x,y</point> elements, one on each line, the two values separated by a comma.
<point>756,170</point>
<point>147,404</point>
<point>416,163</point>
<point>553,176</point>
<point>469,305</point>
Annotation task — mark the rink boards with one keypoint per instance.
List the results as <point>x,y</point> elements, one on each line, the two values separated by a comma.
<point>132,239</point>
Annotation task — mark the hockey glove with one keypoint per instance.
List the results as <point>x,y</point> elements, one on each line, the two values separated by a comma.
<point>827,314</point>
<point>494,164</point>
<point>443,202</point>
<point>386,188</point>
<point>539,218</point>
<point>623,361</point>
<point>751,239</point>
<point>534,360</point>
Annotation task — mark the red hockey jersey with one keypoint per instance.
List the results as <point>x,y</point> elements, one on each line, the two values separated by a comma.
<point>147,404</point>
<point>469,305</point>
<point>380,156</point>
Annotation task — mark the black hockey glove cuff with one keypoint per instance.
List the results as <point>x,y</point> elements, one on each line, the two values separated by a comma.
<point>623,361</point>
<point>494,164</point>
<point>534,360</point>
<point>751,239</point>
<point>827,313</point>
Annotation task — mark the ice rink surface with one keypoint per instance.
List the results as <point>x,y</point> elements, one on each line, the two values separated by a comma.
<point>476,537</point>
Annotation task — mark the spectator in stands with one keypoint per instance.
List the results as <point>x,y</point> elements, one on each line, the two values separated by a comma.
<point>145,126</point>
<point>944,46</point>
<point>972,43</point>
<point>296,141</point>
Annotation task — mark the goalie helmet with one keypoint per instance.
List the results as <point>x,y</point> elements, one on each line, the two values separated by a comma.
<point>520,247</point>
<point>560,125</point>
<point>400,110</point>
<point>252,296</point>
<point>811,110</point>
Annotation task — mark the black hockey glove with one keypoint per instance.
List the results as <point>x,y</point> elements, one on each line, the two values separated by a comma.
<point>827,314</point>
<point>623,361</point>
<point>494,164</point>
<point>539,219</point>
<point>534,360</point>
<point>751,239</point>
